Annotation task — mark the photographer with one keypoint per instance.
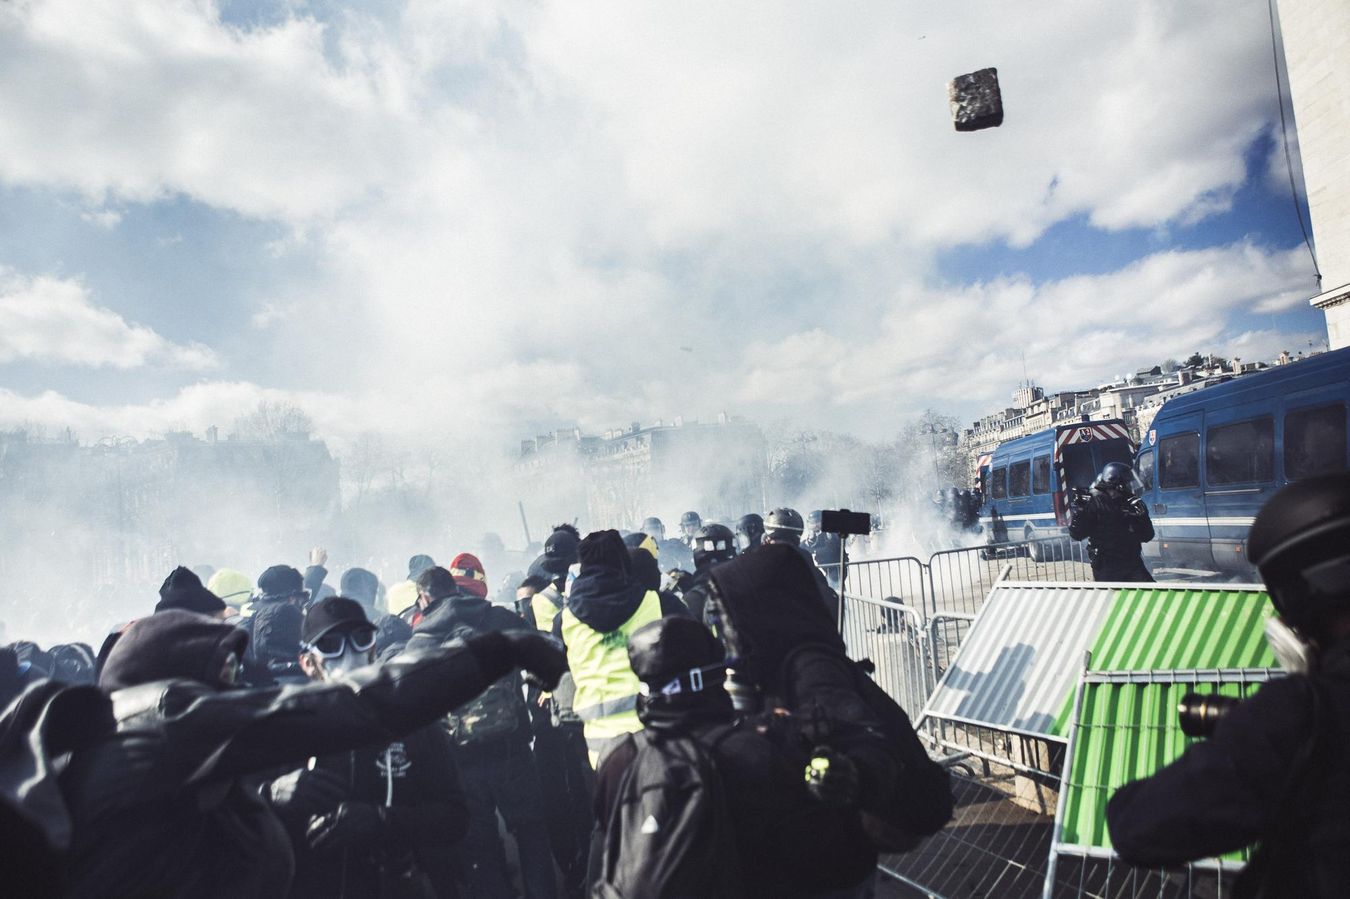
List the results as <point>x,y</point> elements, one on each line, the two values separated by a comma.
<point>1273,771</point>
<point>1115,523</point>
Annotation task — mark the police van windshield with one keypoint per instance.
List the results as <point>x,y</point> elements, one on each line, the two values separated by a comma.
<point>1084,461</point>
<point>1080,469</point>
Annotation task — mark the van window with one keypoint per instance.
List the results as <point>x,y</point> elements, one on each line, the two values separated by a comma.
<point>1019,478</point>
<point>999,488</point>
<point>1079,469</point>
<point>1240,453</point>
<point>1314,441</point>
<point>1040,474</point>
<point>1145,470</point>
<point>1179,461</point>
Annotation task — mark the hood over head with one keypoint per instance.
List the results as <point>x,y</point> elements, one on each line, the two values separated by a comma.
<point>361,585</point>
<point>172,644</point>
<point>605,593</point>
<point>645,570</point>
<point>182,589</point>
<point>469,575</point>
<point>772,599</point>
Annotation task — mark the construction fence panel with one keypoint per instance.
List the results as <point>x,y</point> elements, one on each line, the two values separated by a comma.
<point>1124,727</point>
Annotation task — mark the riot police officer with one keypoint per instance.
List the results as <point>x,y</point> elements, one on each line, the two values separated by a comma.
<point>784,525</point>
<point>712,545</point>
<point>1273,771</point>
<point>749,531</point>
<point>690,522</point>
<point>1115,523</point>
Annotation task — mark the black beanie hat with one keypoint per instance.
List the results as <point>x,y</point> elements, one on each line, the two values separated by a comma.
<point>182,589</point>
<point>171,644</point>
<point>280,582</point>
<point>604,549</point>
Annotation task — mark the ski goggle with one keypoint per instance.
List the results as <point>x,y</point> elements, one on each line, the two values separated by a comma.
<point>691,681</point>
<point>331,644</point>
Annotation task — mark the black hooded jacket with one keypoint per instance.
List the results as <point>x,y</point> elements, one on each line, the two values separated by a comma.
<point>416,782</point>
<point>786,643</point>
<point>1261,776</point>
<point>604,597</point>
<point>151,799</point>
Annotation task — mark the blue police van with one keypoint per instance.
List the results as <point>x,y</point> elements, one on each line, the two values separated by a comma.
<point>1211,458</point>
<point>1026,482</point>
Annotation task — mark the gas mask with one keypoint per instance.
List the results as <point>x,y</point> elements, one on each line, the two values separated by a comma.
<point>1295,654</point>
<point>745,694</point>
<point>341,652</point>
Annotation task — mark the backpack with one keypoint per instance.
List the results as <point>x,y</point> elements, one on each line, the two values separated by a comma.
<point>495,714</point>
<point>670,835</point>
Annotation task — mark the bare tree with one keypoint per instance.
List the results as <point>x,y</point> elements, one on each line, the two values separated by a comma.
<point>272,421</point>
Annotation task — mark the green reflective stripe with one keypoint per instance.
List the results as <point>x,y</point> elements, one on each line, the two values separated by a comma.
<point>605,708</point>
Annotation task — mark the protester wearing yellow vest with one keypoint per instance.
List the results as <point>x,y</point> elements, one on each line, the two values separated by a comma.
<point>604,606</point>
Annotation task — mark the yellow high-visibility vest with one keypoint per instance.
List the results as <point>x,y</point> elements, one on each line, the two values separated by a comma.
<point>606,687</point>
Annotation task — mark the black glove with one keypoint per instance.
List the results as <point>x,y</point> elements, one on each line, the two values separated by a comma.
<point>1135,506</point>
<point>543,662</point>
<point>353,824</point>
<point>832,778</point>
<point>303,793</point>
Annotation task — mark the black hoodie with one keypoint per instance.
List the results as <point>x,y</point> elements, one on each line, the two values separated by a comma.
<point>607,592</point>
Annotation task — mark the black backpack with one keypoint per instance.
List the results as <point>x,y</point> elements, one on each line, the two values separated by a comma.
<point>496,713</point>
<point>670,834</point>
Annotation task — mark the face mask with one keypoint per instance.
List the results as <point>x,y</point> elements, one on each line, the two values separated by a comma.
<point>345,662</point>
<point>1294,654</point>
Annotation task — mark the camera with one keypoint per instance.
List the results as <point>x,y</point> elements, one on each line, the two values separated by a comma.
<point>1200,713</point>
<point>843,522</point>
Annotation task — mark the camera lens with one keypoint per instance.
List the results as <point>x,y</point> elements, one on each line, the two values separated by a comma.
<point>1200,713</point>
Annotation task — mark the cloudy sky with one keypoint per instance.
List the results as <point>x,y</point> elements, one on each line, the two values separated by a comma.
<point>447,218</point>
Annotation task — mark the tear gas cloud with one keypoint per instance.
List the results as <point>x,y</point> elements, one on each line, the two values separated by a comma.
<point>92,530</point>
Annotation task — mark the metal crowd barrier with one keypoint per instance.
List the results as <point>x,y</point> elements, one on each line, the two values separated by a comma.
<point>892,636</point>
<point>1103,753</point>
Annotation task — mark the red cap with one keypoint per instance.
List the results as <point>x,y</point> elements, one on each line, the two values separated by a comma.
<point>468,574</point>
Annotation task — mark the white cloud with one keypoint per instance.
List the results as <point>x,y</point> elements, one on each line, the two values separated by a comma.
<point>103,218</point>
<point>947,348</point>
<point>52,320</point>
<point>516,211</point>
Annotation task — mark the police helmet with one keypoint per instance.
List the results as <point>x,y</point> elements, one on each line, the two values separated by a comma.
<point>653,528</point>
<point>712,544</point>
<point>1117,476</point>
<point>1301,543</point>
<point>750,530</point>
<point>783,526</point>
